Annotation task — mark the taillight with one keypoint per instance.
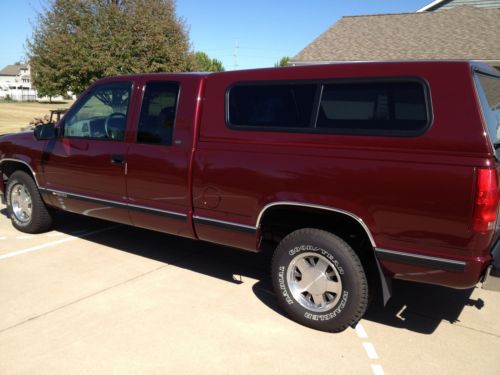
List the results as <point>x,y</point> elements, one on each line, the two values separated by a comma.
<point>486,201</point>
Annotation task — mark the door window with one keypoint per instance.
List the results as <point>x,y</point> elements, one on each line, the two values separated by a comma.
<point>102,114</point>
<point>156,125</point>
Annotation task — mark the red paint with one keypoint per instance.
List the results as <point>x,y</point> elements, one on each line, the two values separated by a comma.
<point>416,194</point>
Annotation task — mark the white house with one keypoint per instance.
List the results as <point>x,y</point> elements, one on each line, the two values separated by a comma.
<point>15,82</point>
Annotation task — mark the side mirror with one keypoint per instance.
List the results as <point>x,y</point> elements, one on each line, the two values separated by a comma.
<point>45,132</point>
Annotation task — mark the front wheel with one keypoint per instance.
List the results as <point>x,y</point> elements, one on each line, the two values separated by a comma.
<point>26,209</point>
<point>319,280</point>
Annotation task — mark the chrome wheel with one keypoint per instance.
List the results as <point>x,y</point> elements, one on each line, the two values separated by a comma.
<point>22,205</point>
<point>314,282</point>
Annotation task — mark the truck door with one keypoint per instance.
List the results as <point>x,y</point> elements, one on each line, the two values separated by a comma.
<point>157,176</point>
<point>84,168</point>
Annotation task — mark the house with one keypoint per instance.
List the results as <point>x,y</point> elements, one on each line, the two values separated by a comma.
<point>447,4</point>
<point>442,30</point>
<point>15,76</point>
<point>15,82</point>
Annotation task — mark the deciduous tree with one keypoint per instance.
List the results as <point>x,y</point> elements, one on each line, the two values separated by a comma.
<point>282,62</point>
<point>76,42</point>
<point>203,63</point>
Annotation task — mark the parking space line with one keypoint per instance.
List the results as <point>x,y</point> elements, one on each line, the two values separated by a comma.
<point>137,277</point>
<point>370,350</point>
<point>54,243</point>
<point>54,234</point>
<point>360,330</point>
<point>377,370</point>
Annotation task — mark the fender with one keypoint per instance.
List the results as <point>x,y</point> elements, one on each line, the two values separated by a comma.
<point>385,281</point>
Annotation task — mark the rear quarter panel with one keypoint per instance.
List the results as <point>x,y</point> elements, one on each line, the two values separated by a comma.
<point>414,193</point>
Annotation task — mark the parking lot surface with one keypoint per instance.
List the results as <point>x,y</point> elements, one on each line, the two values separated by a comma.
<point>95,297</point>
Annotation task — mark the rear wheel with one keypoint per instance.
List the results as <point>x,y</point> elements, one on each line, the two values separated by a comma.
<point>27,211</point>
<point>319,280</point>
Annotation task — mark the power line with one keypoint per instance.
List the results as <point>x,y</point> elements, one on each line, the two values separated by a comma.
<point>236,50</point>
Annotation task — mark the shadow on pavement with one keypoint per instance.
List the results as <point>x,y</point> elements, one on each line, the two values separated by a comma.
<point>415,307</point>
<point>421,307</point>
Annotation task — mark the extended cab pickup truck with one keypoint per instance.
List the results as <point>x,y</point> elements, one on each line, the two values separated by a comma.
<point>351,174</point>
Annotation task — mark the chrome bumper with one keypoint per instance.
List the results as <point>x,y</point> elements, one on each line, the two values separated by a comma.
<point>492,277</point>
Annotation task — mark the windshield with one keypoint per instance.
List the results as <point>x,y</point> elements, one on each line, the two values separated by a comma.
<point>488,88</point>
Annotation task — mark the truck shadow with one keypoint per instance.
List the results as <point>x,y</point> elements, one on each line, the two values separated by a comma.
<point>415,307</point>
<point>421,307</point>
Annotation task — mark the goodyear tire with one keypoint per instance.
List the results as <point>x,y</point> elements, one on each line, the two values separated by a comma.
<point>26,209</point>
<point>319,280</point>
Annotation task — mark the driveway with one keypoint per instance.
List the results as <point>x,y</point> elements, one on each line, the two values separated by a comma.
<point>100,298</point>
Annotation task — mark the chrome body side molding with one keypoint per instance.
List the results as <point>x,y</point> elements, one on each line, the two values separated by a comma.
<point>421,260</point>
<point>316,206</point>
<point>22,162</point>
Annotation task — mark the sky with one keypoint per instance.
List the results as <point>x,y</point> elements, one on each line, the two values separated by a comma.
<point>242,34</point>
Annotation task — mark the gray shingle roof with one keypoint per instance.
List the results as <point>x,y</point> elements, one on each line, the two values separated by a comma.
<point>460,33</point>
<point>12,70</point>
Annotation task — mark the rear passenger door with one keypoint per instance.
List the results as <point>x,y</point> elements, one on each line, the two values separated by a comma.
<point>157,162</point>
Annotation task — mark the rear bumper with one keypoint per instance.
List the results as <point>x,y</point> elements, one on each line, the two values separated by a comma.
<point>492,277</point>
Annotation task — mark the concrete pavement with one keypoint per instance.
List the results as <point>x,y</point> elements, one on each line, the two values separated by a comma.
<point>94,297</point>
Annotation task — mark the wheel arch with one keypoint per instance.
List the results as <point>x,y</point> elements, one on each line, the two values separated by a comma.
<point>11,165</point>
<point>319,208</point>
<point>347,225</point>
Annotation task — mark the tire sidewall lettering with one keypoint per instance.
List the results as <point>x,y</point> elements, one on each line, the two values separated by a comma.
<point>317,249</point>
<point>285,292</point>
<point>283,287</point>
<point>336,311</point>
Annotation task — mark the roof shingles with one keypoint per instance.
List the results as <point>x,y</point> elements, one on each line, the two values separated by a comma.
<point>464,33</point>
<point>12,70</point>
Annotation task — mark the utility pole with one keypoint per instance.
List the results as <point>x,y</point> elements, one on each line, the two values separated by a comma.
<point>235,55</point>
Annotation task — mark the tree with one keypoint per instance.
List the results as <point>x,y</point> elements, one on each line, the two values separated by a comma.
<point>203,63</point>
<point>76,42</point>
<point>282,62</point>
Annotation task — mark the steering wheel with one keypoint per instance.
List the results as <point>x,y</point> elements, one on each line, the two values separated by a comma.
<point>108,131</point>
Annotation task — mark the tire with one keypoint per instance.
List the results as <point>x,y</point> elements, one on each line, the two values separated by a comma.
<point>319,280</point>
<point>26,209</point>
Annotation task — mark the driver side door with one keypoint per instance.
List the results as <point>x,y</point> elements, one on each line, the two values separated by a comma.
<point>84,168</point>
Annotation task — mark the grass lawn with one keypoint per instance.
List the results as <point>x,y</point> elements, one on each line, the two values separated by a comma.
<point>15,115</point>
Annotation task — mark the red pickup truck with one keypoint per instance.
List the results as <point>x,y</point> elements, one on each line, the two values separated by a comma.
<point>351,174</point>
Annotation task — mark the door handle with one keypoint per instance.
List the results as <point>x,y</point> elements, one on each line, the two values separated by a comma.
<point>117,160</point>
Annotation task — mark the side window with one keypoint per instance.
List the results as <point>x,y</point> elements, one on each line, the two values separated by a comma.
<point>156,124</point>
<point>271,106</point>
<point>489,94</point>
<point>102,114</point>
<point>398,108</point>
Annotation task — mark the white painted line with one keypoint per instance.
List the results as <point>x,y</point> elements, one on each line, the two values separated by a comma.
<point>55,234</point>
<point>360,330</point>
<point>3,238</point>
<point>370,350</point>
<point>377,370</point>
<point>54,243</point>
